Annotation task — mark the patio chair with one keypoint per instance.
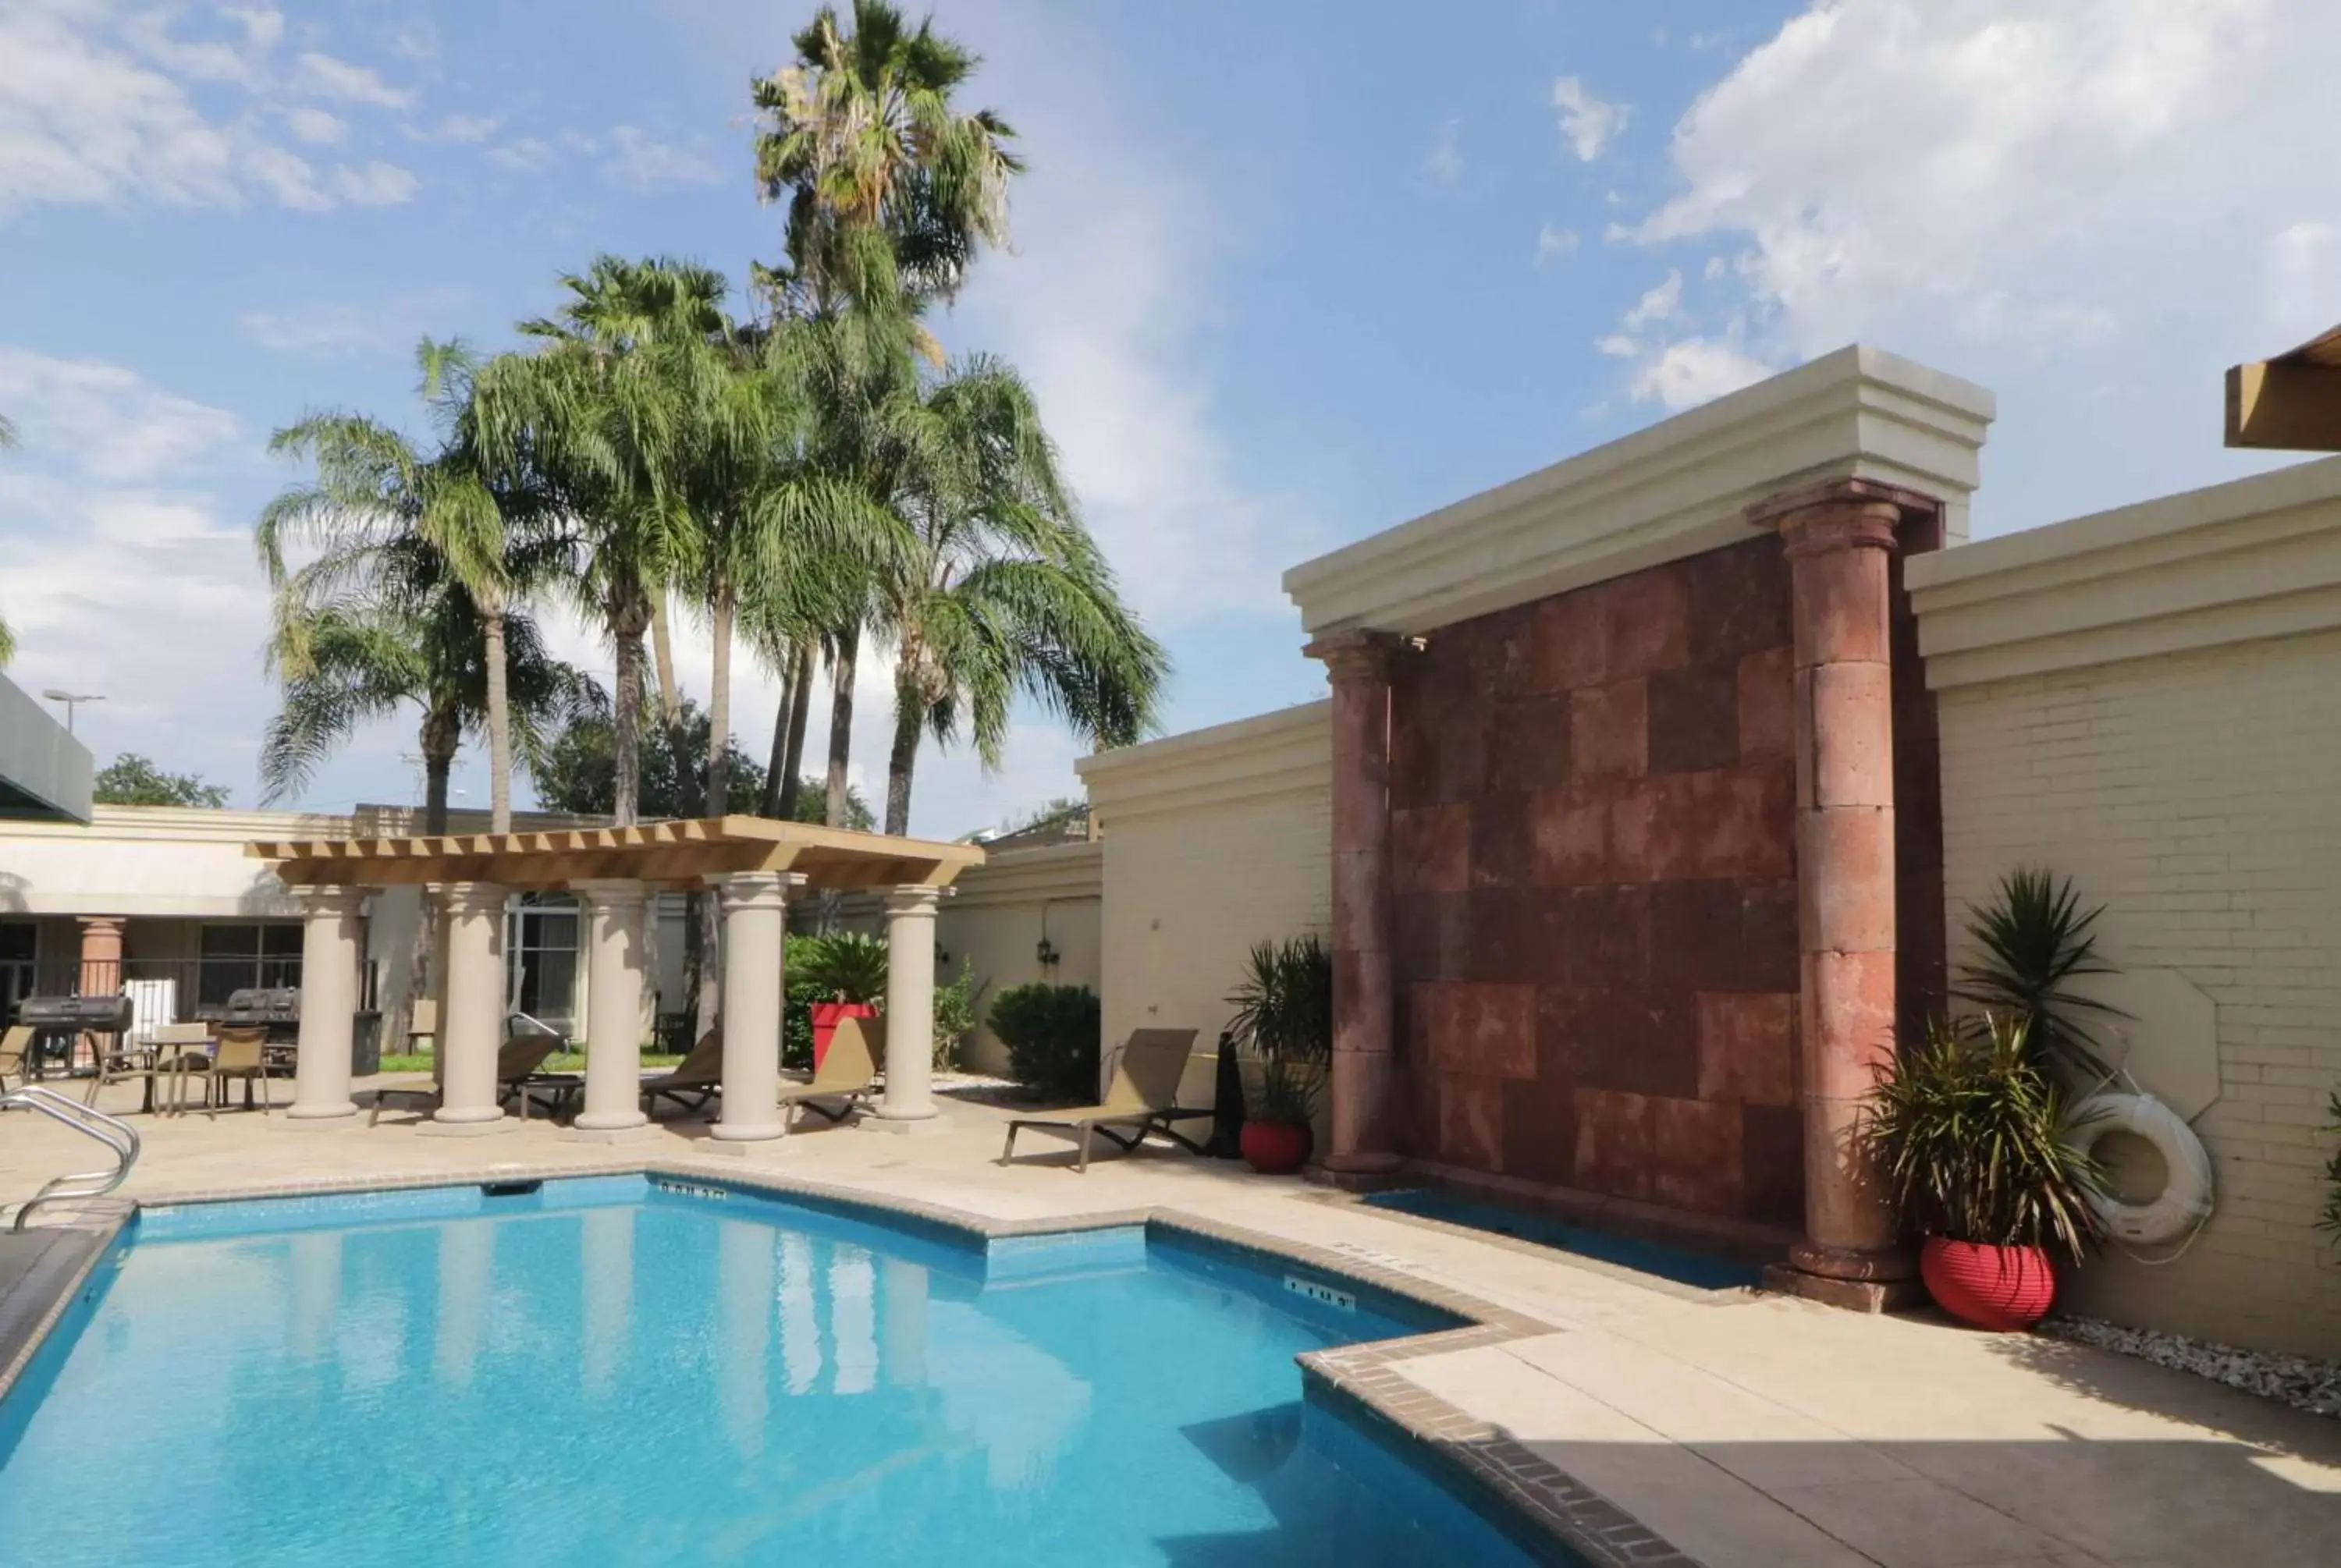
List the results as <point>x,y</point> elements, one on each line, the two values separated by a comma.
<point>701,1073</point>
<point>847,1074</point>
<point>242,1053</point>
<point>517,1061</point>
<point>15,1044</point>
<point>122,1060</point>
<point>519,1073</point>
<point>1141,1098</point>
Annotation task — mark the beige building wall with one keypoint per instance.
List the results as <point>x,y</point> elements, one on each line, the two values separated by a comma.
<point>2149,702</point>
<point>1213,841</point>
<point>994,920</point>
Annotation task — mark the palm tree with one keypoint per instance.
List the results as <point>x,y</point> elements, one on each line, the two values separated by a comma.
<point>1006,593</point>
<point>594,415</point>
<point>888,188</point>
<point>375,496</point>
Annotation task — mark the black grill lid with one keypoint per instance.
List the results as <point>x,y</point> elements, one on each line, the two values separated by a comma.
<point>99,1013</point>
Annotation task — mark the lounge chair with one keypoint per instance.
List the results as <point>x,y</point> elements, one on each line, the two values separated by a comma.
<point>517,1062</point>
<point>15,1044</point>
<point>1141,1098</point>
<point>844,1082</point>
<point>241,1052</point>
<point>701,1073</point>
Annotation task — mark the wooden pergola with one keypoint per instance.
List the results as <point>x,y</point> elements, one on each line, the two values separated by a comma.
<point>2291,402</point>
<point>753,862</point>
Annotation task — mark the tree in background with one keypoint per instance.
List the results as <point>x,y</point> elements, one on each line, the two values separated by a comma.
<point>376,500</point>
<point>577,773</point>
<point>131,779</point>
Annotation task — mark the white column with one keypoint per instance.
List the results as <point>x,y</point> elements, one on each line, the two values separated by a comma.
<point>329,952</point>
<point>615,960</point>
<point>755,932</point>
<point>909,1009</point>
<point>472,1010</point>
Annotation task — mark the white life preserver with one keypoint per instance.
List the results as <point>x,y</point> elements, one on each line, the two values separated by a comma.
<point>2185,1200</point>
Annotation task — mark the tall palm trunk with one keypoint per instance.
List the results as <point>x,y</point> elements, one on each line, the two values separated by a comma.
<point>800,720</point>
<point>908,712</point>
<point>678,743</point>
<point>718,799</point>
<point>492,631</point>
<point>840,722</point>
<point>439,737</point>
<point>777,769</point>
<point>628,614</point>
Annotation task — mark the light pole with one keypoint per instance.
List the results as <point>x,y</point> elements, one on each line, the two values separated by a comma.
<point>72,699</point>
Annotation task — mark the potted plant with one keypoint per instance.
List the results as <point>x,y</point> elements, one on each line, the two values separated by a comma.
<point>1284,1024</point>
<point>1972,1138</point>
<point>849,971</point>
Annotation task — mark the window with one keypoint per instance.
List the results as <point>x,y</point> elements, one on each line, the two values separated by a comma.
<point>19,945</point>
<point>540,942</point>
<point>238,958</point>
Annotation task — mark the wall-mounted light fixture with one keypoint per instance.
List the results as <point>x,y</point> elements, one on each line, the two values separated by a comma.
<point>1047,953</point>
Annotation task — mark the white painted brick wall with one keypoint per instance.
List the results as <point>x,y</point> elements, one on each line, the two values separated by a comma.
<point>2198,796</point>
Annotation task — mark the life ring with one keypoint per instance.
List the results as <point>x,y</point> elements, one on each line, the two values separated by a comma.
<point>2185,1200</point>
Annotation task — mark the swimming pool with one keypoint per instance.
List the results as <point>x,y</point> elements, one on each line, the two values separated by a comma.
<point>610,1370</point>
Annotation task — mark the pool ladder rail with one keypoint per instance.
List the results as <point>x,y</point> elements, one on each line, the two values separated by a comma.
<point>112,1131</point>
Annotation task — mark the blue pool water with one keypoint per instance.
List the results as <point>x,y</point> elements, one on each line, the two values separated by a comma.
<point>603,1371</point>
<point>1684,1267</point>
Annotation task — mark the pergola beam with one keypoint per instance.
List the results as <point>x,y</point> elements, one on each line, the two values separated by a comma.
<point>2288,404</point>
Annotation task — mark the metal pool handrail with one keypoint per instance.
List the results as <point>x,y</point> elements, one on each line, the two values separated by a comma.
<point>112,1131</point>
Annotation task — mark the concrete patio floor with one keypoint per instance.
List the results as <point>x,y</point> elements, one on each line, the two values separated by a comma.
<point>1752,1432</point>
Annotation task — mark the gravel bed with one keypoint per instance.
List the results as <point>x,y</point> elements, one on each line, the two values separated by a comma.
<point>2296,1380</point>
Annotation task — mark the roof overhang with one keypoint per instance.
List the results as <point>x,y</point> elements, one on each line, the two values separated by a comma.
<point>677,853</point>
<point>45,775</point>
<point>2288,404</point>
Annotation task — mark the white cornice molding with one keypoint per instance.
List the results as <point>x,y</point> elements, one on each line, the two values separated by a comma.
<point>1287,752</point>
<point>1673,490</point>
<point>2238,562</point>
<point>1033,876</point>
<point>184,825</point>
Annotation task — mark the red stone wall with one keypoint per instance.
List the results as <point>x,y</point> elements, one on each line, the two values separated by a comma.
<point>1595,935</point>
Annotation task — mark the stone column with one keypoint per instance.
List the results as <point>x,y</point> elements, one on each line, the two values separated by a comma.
<point>614,961</point>
<point>1359,664</point>
<point>471,1011</point>
<point>910,1102</point>
<point>755,933</point>
<point>1839,539</point>
<point>101,971</point>
<point>331,951</point>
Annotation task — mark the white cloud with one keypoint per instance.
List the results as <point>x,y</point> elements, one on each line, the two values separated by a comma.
<point>100,107</point>
<point>466,128</point>
<point>525,156</point>
<point>1695,371</point>
<point>2089,207</point>
<point>324,76</point>
<point>1587,123</point>
<point>316,127</point>
<point>1444,162</point>
<point>375,185</point>
<point>1553,244</point>
<point>100,421</point>
<point>643,163</point>
<point>1662,303</point>
<point>328,330</point>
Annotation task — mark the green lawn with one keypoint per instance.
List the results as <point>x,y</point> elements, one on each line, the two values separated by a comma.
<point>558,1062</point>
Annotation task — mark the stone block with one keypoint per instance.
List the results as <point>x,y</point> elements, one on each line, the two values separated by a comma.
<point>1647,615</point>
<point>1772,1163</point>
<point>1739,598</point>
<point>1845,1026</point>
<point>1568,642</point>
<point>1853,734</point>
<point>1614,1144</point>
<point>1571,829</point>
<point>1695,935</point>
<point>1484,1030</point>
<point>1769,951</point>
<point>1540,1129</point>
<point>1471,1122</point>
<point>1503,841</point>
<point>1747,1046</point>
<point>1768,713</point>
<point>1696,1154</point>
<point>1694,718</point>
<point>1431,849</point>
<point>1529,744</point>
<point>1846,879</point>
<point>1608,735</point>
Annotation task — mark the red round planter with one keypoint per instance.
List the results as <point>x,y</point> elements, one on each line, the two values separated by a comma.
<point>1276,1148</point>
<point>825,1016</point>
<point>1996,1287</point>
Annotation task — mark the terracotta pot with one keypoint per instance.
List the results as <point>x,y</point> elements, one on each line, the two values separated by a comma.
<point>1995,1287</point>
<point>1277,1149</point>
<point>825,1016</point>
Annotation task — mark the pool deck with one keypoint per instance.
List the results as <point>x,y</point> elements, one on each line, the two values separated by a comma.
<point>1745,1431</point>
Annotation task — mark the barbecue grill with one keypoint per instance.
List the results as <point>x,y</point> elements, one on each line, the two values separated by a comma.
<point>276,1008</point>
<point>58,1021</point>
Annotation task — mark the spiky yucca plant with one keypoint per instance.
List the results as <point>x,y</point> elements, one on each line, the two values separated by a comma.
<point>1974,1142</point>
<point>2036,939</point>
<point>1284,1021</point>
<point>846,967</point>
<point>2330,1219</point>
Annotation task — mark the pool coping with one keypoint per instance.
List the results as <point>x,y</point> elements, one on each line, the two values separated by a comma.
<point>1565,1521</point>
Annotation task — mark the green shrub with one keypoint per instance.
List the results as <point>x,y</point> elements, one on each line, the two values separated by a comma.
<point>1052,1034</point>
<point>954,1016</point>
<point>844,967</point>
<point>796,1008</point>
<point>1976,1141</point>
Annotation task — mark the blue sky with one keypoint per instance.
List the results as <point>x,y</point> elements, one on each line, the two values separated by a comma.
<point>1283,275</point>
